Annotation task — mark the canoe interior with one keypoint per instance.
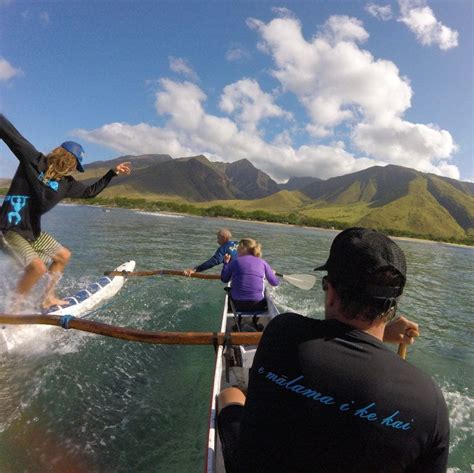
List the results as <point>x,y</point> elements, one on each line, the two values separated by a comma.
<point>232,368</point>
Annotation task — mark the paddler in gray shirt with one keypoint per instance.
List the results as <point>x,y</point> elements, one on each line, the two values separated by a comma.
<point>40,183</point>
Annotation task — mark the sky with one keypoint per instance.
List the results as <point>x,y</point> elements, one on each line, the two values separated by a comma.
<point>316,88</point>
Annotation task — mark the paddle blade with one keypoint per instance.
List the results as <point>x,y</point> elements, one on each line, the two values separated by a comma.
<point>302,281</point>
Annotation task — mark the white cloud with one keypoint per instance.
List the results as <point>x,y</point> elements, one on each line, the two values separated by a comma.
<point>344,90</point>
<point>423,147</point>
<point>382,12</point>
<point>181,66</point>
<point>331,76</point>
<point>190,131</point>
<point>246,100</point>
<point>7,71</point>
<point>236,53</point>
<point>181,100</point>
<point>343,28</point>
<point>283,12</point>
<point>421,20</point>
<point>44,18</point>
<point>339,83</point>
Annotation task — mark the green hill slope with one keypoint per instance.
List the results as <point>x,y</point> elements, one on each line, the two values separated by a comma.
<point>279,203</point>
<point>418,212</point>
<point>392,198</point>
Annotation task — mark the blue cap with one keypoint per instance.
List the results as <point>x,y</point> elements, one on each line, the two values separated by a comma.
<point>77,151</point>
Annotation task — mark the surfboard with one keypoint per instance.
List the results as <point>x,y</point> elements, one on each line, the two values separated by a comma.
<point>80,303</point>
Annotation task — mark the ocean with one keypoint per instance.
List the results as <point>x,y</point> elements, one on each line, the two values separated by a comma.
<point>75,402</point>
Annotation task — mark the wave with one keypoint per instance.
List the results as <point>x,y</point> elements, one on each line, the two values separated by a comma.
<point>160,214</point>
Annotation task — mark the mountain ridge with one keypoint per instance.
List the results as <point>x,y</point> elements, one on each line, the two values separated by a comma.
<point>392,198</point>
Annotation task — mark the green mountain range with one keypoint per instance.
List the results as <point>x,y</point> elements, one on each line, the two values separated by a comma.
<point>391,198</point>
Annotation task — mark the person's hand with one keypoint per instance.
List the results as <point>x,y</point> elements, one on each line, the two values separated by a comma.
<point>188,272</point>
<point>401,330</point>
<point>227,258</point>
<point>124,168</point>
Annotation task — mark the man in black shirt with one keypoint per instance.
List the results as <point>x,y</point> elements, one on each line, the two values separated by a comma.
<point>328,395</point>
<point>40,183</point>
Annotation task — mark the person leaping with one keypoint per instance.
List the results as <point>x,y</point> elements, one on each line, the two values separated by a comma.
<point>41,182</point>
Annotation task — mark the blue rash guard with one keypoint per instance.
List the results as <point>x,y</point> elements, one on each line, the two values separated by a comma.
<point>229,247</point>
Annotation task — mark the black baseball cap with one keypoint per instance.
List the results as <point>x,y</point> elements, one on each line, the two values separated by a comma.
<point>356,254</point>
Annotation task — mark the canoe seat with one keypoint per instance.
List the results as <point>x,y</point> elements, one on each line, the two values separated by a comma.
<point>241,313</point>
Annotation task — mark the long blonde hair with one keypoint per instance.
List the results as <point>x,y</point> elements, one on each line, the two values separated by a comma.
<point>251,247</point>
<point>60,163</point>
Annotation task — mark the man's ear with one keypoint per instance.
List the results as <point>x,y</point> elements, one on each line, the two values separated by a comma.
<point>331,295</point>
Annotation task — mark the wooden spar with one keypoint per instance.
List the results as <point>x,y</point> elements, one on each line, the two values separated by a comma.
<point>161,272</point>
<point>144,336</point>
<point>135,335</point>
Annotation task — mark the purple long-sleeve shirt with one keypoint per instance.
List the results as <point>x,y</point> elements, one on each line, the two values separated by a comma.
<point>248,274</point>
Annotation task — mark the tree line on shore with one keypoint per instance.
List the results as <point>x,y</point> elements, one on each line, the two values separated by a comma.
<point>292,218</point>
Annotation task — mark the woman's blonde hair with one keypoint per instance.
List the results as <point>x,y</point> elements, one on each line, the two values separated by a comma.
<point>251,246</point>
<point>60,163</point>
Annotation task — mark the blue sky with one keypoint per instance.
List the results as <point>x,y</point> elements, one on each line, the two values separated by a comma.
<point>300,88</point>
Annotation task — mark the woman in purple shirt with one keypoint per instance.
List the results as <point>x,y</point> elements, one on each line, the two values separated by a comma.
<point>248,273</point>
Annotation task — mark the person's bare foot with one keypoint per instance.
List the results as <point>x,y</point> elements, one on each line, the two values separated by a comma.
<point>47,303</point>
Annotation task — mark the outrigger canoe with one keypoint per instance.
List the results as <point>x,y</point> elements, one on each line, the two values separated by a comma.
<point>232,369</point>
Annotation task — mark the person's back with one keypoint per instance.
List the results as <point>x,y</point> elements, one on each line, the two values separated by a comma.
<point>325,397</point>
<point>248,273</point>
<point>248,277</point>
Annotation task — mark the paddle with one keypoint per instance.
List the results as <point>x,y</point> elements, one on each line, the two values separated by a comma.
<point>302,281</point>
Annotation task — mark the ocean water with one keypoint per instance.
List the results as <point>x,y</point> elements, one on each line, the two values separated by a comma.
<point>74,402</point>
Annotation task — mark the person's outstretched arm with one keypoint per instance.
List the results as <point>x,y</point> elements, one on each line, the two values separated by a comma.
<point>214,260</point>
<point>18,144</point>
<point>270,275</point>
<point>79,190</point>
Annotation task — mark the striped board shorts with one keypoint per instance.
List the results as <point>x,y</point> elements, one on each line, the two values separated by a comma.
<point>24,251</point>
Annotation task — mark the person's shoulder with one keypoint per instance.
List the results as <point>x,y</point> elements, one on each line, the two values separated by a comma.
<point>291,322</point>
<point>288,329</point>
<point>69,180</point>
<point>230,245</point>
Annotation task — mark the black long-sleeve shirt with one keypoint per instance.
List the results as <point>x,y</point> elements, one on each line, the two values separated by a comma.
<point>29,196</point>
<point>326,397</point>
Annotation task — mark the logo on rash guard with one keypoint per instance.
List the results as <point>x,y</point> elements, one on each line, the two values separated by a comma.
<point>17,202</point>
<point>232,250</point>
<point>48,182</point>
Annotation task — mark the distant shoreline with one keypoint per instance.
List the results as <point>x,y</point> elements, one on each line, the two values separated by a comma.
<point>324,229</point>
<point>101,202</point>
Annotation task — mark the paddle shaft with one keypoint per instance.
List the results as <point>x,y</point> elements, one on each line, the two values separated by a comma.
<point>134,335</point>
<point>161,272</point>
<point>403,347</point>
<point>402,350</point>
<point>301,281</point>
